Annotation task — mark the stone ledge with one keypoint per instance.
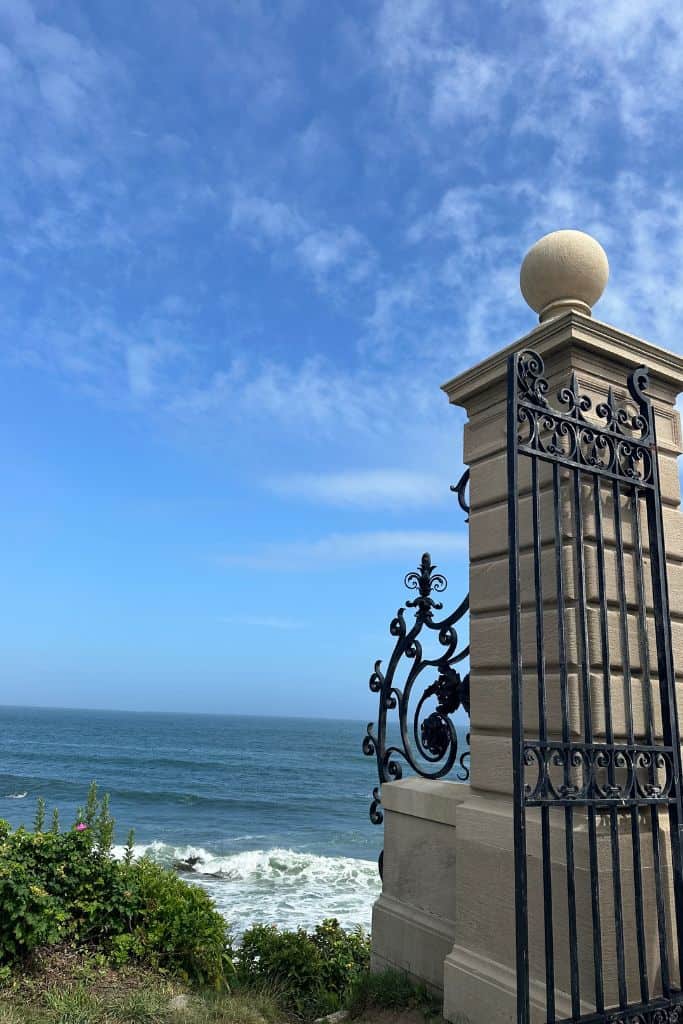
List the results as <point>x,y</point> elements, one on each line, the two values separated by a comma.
<point>431,799</point>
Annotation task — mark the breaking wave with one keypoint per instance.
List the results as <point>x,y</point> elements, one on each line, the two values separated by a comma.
<point>277,886</point>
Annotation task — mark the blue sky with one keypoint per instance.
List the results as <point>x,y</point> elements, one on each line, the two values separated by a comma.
<point>242,244</point>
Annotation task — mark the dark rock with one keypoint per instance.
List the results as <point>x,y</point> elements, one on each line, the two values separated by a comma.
<point>188,865</point>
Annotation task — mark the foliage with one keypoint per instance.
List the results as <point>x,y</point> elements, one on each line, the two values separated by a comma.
<point>66,986</point>
<point>172,925</point>
<point>311,973</point>
<point>389,990</point>
<point>65,890</point>
<point>57,886</point>
<point>74,1004</point>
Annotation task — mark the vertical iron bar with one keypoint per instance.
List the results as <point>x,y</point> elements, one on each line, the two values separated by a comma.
<point>641,598</point>
<point>521,923</point>
<point>609,732</point>
<point>564,704</point>
<point>630,735</point>
<point>604,630</point>
<point>628,682</point>
<point>616,857</point>
<point>587,720</point>
<point>665,669</point>
<point>606,671</point>
<point>543,737</point>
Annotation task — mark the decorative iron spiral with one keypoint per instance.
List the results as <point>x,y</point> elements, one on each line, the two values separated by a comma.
<point>432,692</point>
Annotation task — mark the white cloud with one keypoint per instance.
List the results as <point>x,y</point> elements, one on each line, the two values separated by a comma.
<point>318,402</point>
<point>342,549</point>
<point>378,488</point>
<point>469,88</point>
<point>144,361</point>
<point>262,220</point>
<point>411,33</point>
<point>57,67</point>
<point>325,252</point>
<point>391,303</point>
<point>333,256</point>
<point>568,71</point>
<point>416,313</point>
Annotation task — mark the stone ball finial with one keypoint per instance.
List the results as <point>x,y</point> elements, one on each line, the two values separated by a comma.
<point>563,270</point>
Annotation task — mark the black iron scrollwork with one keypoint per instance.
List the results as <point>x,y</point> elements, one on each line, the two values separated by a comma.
<point>615,441</point>
<point>667,1014</point>
<point>594,773</point>
<point>428,741</point>
<point>460,488</point>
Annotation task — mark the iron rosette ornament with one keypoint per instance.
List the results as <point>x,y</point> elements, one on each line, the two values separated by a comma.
<point>418,694</point>
<point>671,1014</point>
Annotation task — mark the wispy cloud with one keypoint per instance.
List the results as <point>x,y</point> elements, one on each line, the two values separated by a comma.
<point>376,488</point>
<point>327,251</point>
<point>423,253</point>
<point>265,221</point>
<point>469,88</point>
<point>332,255</point>
<point>346,549</point>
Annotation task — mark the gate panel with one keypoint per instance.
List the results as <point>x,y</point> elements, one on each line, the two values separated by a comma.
<point>596,746</point>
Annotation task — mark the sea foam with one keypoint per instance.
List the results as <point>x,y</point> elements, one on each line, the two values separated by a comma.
<point>279,886</point>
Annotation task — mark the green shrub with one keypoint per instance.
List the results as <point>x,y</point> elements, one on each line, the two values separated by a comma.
<point>57,886</point>
<point>311,973</point>
<point>31,916</point>
<point>173,925</point>
<point>344,955</point>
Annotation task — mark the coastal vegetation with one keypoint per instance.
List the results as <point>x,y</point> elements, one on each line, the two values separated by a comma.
<point>65,886</point>
<point>86,937</point>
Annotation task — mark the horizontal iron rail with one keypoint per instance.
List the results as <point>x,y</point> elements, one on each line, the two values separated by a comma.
<point>599,801</point>
<point>581,421</point>
<point>585,467</point>
<point>656,1011</point>
<point>608,748</point>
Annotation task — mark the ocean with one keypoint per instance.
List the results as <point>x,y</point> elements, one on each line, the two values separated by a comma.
<point>275,808</point>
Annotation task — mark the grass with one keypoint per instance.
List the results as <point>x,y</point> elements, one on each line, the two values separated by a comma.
<point>76,987</point>
<point>391,990</point>
<point>66,986</point>
<point>76,1005</point>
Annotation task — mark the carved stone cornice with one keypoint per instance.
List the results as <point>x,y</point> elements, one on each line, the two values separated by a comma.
<point>578,332</point>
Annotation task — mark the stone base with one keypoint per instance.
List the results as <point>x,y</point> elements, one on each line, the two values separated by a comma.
<point>477,989</point>
<point>407,939</point>
<point>413,922</point>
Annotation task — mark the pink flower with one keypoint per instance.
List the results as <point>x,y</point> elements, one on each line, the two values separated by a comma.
<point>81,827</point>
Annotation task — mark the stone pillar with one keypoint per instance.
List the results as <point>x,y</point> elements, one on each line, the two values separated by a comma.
<point>479,973</point>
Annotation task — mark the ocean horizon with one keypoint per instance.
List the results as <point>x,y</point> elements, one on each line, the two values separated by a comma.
<point>274,809</point>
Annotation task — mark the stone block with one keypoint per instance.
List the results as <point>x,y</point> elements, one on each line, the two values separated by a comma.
<point>413,921</point>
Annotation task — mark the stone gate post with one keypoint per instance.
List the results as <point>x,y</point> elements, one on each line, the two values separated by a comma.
<point>562,277</point>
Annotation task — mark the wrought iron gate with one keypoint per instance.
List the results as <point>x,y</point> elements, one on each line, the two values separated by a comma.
<point>596,747</point>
